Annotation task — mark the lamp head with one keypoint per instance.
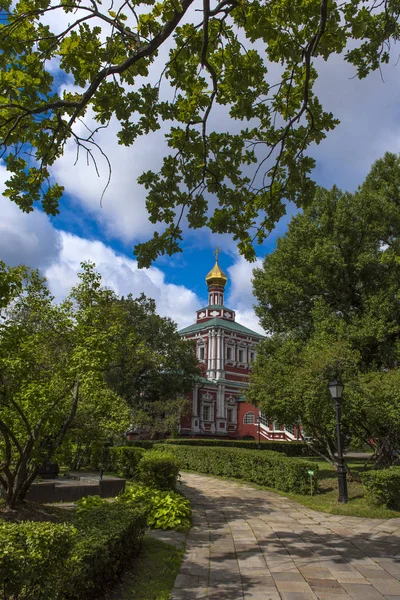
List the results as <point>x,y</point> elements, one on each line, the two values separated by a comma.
<point>336,389</point>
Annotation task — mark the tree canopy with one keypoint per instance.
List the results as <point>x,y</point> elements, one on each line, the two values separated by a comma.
<point>63,61</point>
<point>72,373</point>
<point>329,296</point>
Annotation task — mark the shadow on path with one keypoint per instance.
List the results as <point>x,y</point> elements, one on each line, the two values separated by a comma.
<point>250,544</point>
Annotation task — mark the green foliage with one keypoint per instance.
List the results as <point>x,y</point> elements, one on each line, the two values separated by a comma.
<point>382,487</point>
<point>124,460</point>
<point>88,503</point>
<point>10,282</point>
<point>288,448</point>
<point>53,360</point>
<point>328,295</point>
<point>271,469</point>
<point>258,61</point>
<point>110,536</point>
<point>169,511</point>
<point>153,367</point>
<point>72,373</point>
<point>48,561</point>
<point>166,509</point>
<point>32,558</point>
<point>146,444</point>
<point>159,470</point>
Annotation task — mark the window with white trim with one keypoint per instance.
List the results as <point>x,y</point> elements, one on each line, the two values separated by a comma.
<point>206,412</point>
<point>252,356</point>
<point>249,418</point>
<point>229,353</point>
<point>230,415</point>
<point>241,356</point>
<point>202,352</point>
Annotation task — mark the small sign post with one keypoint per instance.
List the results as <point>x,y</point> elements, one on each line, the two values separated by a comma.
<point>311,474</point>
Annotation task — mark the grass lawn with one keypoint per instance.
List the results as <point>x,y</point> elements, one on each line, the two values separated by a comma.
<point>152,575</point>
<point>326,498</point>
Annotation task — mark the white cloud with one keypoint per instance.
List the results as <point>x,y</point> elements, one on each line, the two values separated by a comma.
<point>368,111</point>
<point>121,274</point>
<point>121,212</point>
<point>28,239</point>
<point>31,239</point>
<point>240,296</point>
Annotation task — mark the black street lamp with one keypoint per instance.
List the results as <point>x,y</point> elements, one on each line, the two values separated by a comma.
<point>259,433</point>
<point>336,390</point>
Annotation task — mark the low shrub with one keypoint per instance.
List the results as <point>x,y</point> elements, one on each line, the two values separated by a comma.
<point>110,535</point>
<point>99,457</point>
<point>124,460</point>
<point>158,469</point>
<point>288,448</point>
<point>167,509</point>
<point>52,561</point>
<point>382,488</point>
<point>88,503</point>
<point>271,469</point>
<point>146,444</point>
<point>32,557</point>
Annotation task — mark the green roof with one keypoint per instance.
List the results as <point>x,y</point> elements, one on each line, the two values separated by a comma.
<point>217,322</point>
<point>228,382</point>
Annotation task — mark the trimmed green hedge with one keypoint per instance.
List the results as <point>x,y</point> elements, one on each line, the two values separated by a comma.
<point>382,488</point>
<point>51,561</point>
<point>146,444</point>
<point>271,469</point>
<point>152,468</point>
<point>32,557</point>
<point>158,469</point>
<point>124,460</point>
<point>288,448</point>
<point>111,535</point>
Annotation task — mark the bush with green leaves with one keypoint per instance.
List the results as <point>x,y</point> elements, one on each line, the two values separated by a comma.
<point>124,460</point>
<point>32,558</point>
<point>167,509</point>
<point>52,561</point>
<point>288,448</point>
<point>271,469</point>
<point>110,537</point>
<point>88,503</point>
<point>382,488</point>
<point>158,469</point>
<point>146,444</point>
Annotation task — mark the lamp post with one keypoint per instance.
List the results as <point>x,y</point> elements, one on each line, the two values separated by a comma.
<point>259,433</point>
<point>336,389</point>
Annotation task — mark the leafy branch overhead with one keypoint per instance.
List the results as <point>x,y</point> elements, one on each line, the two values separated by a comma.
<point>65,63</point>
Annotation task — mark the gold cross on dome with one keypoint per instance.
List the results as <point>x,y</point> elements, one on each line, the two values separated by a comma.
<point>217,251</point>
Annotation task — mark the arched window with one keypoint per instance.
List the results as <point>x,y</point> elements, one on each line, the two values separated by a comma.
<point>248,418</point>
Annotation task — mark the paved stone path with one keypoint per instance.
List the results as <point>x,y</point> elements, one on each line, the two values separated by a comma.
<point>248,544</point>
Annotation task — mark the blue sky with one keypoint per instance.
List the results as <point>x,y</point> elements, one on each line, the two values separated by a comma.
<point>370,125</point>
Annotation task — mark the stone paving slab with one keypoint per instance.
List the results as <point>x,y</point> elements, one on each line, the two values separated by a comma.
<point>249,544</point>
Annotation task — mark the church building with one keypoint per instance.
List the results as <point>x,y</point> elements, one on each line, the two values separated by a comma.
<point>226,350</point>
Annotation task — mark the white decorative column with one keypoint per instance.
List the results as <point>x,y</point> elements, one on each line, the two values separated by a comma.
<point>195,415</point>
<point>213,343</point>
<point>219,354</point>
<point>209,354</point>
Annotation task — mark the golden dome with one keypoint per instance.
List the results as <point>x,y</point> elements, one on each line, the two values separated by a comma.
<point>216,276</point>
